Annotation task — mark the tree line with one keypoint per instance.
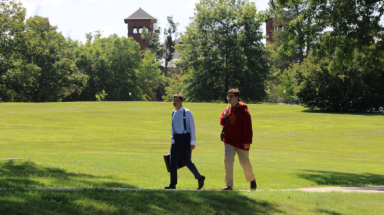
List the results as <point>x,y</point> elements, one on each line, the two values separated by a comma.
<point>222,48</point>
<point>328,55</point>
<point>325,54</point>
<point>38,64</point>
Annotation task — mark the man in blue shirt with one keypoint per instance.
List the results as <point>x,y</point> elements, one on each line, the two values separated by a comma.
<point>183,139</point>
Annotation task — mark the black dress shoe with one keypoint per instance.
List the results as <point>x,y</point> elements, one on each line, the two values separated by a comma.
<point>253,185</point>
<point>201,182</point>
<point>227,188</point>
<point>170,187</point>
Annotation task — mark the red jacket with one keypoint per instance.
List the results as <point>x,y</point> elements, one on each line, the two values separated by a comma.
<point>239,128</point>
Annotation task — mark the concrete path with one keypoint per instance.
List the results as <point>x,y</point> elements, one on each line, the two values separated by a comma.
<point>122,189</point>
<point>371,189</point>
<point>9,159</point>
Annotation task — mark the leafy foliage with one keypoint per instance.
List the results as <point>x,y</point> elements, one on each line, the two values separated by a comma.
<point>170,36</point>
<point>223,49</point>
<point>37,61</point>
<point>112,65</point>
<point>175,85</point>
<point>152,38</point>
<point>354,24</point>
<point>149,75</point>
<point>285,88</point>
<point>39,64</point>
<point>345,69</point>
<point>352,88</point>
<point>280,60</point>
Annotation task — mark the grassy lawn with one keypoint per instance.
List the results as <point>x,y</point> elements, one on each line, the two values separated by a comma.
<point>120,144</point>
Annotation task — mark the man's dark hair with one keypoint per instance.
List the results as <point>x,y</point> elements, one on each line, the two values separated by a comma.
<point>179,96</point>
<point>234,91</point>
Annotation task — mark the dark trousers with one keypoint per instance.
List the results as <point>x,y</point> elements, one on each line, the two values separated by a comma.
<point>182,145</point>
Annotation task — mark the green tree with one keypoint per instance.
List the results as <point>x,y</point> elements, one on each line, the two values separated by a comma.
<point>170,36</point>
<point>175,85</point>
<point>152,39</point>
<point>91,60</point>
<point>280,60</point>
<point>12,16</point>
<point>36,61</point>
<point>112,65</point>
<point>124,58</point>
<point>285,88</point>
<point>354,24</point>
<point>43,67</point>
<point>38,64</point>
<point>356,87</point>
<point>149,75</point>
<point>271,88</point>
<point>223,49</point>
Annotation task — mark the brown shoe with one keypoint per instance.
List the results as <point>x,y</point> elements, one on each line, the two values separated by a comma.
<point>227,188</point>
<point>253,185</point>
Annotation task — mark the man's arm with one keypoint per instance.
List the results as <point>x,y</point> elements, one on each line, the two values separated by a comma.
<point>172,131</point>
<point>189,116</point>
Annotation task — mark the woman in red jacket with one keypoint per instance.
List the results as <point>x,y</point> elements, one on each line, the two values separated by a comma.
<point>237,138</point>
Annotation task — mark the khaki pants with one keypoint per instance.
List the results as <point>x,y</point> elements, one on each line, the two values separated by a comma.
<point>229,160</point>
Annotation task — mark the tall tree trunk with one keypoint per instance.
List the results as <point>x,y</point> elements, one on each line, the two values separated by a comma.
<point>309,21</point>
<point>301,52</point>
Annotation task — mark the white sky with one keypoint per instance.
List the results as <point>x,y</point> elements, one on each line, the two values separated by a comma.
<point>75,18</point>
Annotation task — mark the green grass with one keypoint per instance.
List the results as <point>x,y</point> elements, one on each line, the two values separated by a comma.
<point>120,144</point>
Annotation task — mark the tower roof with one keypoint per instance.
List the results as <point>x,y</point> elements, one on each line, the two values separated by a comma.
<point>140,14</point>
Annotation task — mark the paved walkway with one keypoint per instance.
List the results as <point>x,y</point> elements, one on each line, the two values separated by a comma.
<point>10,159</point>
<point>121,189</point>
<point>371,189</point>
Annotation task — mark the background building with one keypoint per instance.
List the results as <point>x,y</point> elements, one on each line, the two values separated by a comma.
<point>269,29</point>
<point>136,22</point>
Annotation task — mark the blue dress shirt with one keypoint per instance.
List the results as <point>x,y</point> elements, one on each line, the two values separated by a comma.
<point>178,124</point>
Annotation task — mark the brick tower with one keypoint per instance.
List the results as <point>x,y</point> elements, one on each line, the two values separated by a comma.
<point>136,22</point>
<point>269,30</point>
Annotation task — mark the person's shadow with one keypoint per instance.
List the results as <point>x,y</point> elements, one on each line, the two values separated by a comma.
<point>17,200</point>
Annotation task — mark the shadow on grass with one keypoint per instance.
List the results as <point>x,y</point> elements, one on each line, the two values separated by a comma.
<point>101,201</point>
<point>29,174</point>
<point>98,201</point>
<point>342,179</point>
<point>342,113</point>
